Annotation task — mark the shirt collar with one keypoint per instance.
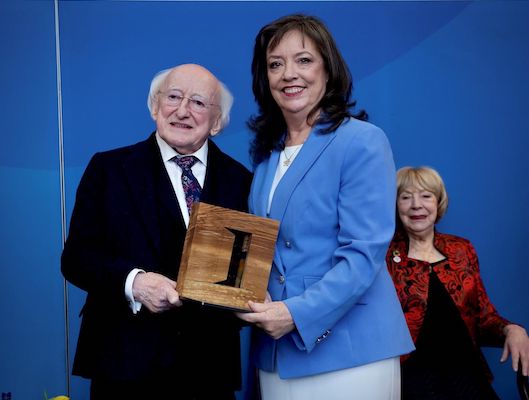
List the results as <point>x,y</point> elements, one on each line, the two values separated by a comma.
<point>169,153</point>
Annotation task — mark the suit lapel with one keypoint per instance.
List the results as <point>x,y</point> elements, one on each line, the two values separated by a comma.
<point>215,176</point>
<point>210,179</point>
<point>151,189</point>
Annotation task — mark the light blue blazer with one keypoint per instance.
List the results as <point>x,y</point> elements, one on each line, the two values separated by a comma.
<point>336,207</point>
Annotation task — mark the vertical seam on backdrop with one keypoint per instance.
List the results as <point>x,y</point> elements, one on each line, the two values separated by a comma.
<point>62,190</point>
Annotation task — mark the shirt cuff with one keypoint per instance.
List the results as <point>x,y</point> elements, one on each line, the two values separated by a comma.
<point>134,305</point>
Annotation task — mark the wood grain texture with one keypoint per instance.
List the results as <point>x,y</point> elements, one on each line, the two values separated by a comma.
<point>207,255</point>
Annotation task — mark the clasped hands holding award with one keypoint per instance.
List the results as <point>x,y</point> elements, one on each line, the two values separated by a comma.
<point>158,294</point>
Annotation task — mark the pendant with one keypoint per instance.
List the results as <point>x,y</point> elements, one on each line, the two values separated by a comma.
<point>286,163</point>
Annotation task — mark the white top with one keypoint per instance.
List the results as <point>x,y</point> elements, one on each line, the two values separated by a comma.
<point>286,157</point>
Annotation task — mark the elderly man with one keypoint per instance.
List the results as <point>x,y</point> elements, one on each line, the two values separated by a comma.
<point>137,339</point>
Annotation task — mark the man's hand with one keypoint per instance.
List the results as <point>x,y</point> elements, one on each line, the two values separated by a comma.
<point>156,292</point>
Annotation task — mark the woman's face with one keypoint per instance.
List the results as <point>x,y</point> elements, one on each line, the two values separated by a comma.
<point>417,210</point>
<point>296,74</point>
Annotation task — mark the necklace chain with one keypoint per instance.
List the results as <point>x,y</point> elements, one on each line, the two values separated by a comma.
<point>428,255</point>
<point>288,159</point>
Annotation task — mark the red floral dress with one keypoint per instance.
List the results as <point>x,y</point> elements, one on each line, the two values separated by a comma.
<point>459,274</point>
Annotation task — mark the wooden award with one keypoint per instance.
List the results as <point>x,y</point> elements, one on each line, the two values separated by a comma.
<point>227,257</point>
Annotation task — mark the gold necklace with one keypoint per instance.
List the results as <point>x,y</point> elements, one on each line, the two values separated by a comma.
<point>288,159</point>
<point>424,255</point>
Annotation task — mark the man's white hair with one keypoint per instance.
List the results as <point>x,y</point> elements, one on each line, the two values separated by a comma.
<point>225,97</point>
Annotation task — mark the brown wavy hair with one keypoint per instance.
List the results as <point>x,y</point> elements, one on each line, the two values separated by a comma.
<point>268,124</point>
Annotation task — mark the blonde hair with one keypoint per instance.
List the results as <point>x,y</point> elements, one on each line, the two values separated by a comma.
<point>424,178</point>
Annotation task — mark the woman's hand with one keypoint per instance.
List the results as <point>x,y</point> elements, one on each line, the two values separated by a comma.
<point>517,345</point>
<point>271,316</point>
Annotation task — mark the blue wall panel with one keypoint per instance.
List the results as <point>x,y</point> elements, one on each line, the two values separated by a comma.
<point>32,350</point>
<point>457,101</point>
<point>445,80</point>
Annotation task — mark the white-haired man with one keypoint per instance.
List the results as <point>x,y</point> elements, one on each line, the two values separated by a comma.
<point>126,235</point>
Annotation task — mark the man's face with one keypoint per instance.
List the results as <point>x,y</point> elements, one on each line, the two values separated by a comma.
<point>186,109</point>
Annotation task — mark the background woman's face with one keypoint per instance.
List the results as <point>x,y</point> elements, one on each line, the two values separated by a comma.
<point>296,74</point>
<point>417,210</point>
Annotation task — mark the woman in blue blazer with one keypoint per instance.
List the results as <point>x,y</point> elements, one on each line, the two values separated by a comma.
<point>333,327</point>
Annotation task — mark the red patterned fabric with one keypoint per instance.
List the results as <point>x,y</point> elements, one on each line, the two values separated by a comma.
<point>459,273</point>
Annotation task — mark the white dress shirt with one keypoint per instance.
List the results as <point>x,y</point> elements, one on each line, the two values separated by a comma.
<point>175,175</point>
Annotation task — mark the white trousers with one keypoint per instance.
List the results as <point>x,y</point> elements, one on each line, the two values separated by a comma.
<point>379,380</point>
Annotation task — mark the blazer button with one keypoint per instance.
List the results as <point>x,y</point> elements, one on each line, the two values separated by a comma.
<point>324,336</point>
<point>288,244</point>
<point>281,279</point>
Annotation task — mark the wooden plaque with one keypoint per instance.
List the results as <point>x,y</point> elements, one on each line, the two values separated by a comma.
<point>227,257</point>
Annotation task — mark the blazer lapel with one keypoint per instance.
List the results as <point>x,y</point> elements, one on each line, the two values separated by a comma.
<point>307,156</point>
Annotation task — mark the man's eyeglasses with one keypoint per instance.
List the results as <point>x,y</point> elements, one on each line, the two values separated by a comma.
<point>175,97</point>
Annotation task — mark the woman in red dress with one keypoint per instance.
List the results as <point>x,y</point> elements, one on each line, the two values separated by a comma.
<point>444,301</point>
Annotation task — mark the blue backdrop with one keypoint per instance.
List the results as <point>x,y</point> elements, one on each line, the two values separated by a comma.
<point>447,81</point>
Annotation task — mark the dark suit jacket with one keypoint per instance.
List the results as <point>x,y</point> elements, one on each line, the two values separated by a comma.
<point>126,215</point>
